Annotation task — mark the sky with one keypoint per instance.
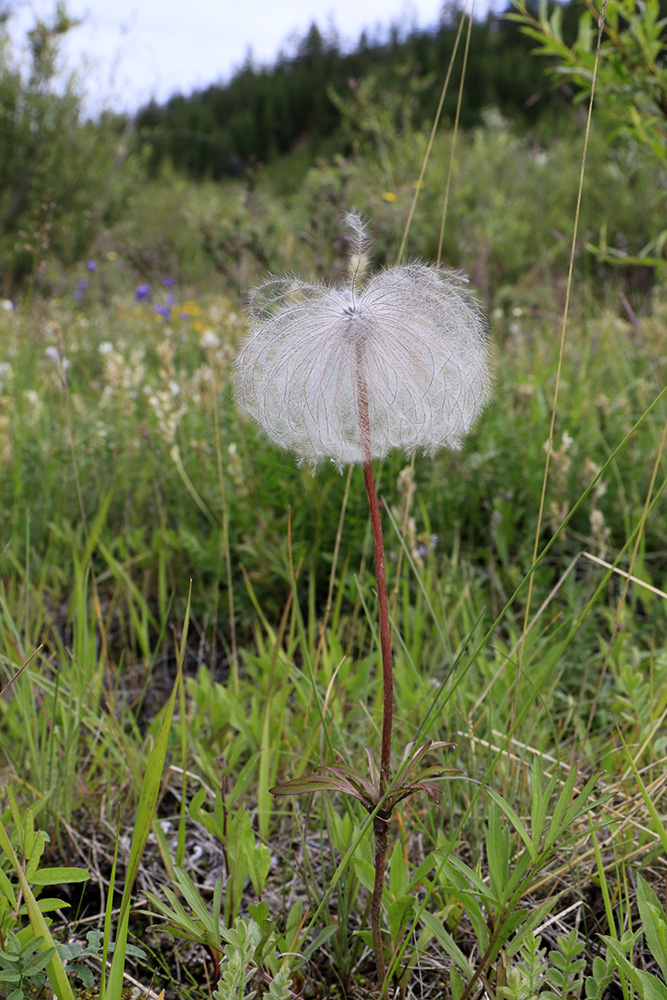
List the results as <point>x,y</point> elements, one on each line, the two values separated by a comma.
<point>129,51</point>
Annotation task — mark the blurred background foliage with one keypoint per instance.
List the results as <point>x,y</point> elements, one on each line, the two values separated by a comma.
<point>320,125</point>
<point>61,178</point>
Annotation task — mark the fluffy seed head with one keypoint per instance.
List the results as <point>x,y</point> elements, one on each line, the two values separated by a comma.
<point>411,339</point>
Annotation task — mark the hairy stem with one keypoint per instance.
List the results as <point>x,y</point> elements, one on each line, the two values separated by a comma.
<point>380,829</point>
<point>381,823</point>
<point>385,634</point>
<point>380,575</point>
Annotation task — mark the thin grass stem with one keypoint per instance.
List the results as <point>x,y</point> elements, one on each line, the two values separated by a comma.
<point>561,351</point>
<point>455,132</point>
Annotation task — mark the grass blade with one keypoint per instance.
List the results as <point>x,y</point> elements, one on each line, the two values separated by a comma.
<point>144,821</point>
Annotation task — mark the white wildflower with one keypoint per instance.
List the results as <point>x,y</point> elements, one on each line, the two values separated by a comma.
<point>31,410</point>
<point>55,354</point>
<point>209,340</point>
<point>408,344</point>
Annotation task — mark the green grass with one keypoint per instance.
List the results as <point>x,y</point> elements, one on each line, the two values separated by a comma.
<point>135,474</point>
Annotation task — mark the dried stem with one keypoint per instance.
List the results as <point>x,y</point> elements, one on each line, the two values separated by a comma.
<point>381,823</point>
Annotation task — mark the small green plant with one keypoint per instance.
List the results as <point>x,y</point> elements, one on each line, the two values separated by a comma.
<point>239,966</point>
<point>565,974</point>
<point>538,976</point>
<point>196,920</point>
<point>527,973</point>
<point>22,967</point>
<point>243,855</point>
<point>59,175</point>
<point>631,89</point>
<point>24,851</point>
<point>74,954</point>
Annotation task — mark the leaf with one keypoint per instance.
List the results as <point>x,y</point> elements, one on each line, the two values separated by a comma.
<point>259,865</point>
<point>365,873</point>
<point>651,988</point>
<point>398,913</point>
<point>48,904</point>
<point>7,889</point>
<point>515,820</point>
<point>420,873</point>
<point>661,828</point>
<point>446,942</point>
<point>319,783</point>
<point>540,799</point>
<point>324,935</point>
<point>456,982</point>
<point>180,921</point>
<point>479,885</point>
<point>37,840</point>
<point>654,922</point>
<point>192,897</point>
<point>36,963</point>
<point>83,973</point>
<point>532,922</point>
<point>398,872</point>
<point>59,876</point>
<point>617,952</point>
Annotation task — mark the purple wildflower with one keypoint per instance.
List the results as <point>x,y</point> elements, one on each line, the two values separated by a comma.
<point>164,311</point>
<point>91,265</point>
<point>168,282</point>
<point>142,293</point>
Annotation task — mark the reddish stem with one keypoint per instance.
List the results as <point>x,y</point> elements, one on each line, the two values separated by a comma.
<point>385,634</point>
<point>381,830</point>
<point>381,822</point>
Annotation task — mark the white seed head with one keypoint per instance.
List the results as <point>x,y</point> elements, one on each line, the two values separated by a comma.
<point>412,335</point>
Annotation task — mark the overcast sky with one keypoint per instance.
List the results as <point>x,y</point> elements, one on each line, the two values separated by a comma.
<point>132,50</point>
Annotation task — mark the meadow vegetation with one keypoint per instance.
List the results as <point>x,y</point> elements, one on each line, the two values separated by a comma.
<point>188,618</point>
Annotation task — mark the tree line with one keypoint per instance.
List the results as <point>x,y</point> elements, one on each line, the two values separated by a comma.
<point>263,112</point>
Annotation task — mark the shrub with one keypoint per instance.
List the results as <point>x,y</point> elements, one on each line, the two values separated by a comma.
<point>59,173</point>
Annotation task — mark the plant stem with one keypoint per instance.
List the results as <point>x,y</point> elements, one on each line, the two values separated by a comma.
<point>380,830</point>
<point>385,634</point>
<point>380,575</point>
<point>381,823</point>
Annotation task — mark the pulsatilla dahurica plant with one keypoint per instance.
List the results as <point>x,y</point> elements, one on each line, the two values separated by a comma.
<point>347,373</point>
